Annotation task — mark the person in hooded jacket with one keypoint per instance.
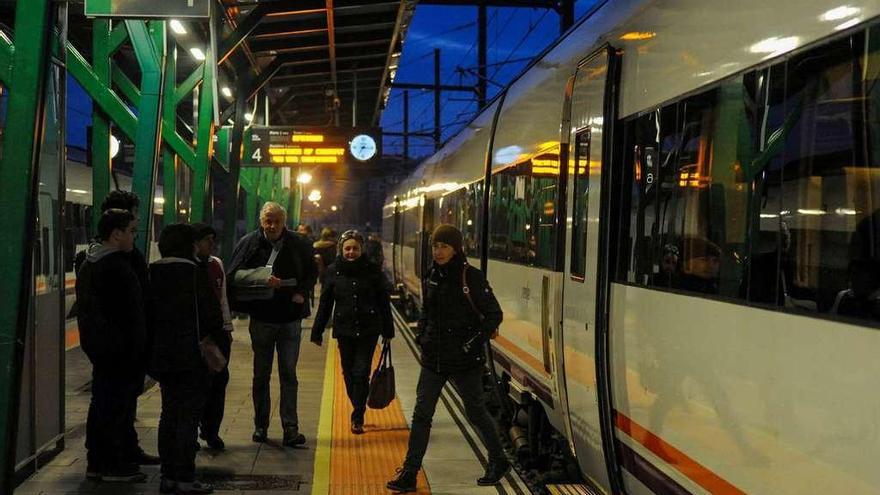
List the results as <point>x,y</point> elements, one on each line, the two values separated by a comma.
<point>357,289</point>
<point>186,312</point>
<point>325,251</point>
<point>452,335</point>
<point>112,331</point>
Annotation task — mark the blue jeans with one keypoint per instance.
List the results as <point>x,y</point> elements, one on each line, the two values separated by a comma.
<point>265,339</point>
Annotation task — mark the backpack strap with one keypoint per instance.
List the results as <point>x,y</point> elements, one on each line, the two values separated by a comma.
<point>467,291</point>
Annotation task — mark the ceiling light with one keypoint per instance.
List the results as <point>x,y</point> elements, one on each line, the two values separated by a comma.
<point>315,196</point>
<point>333,208</point>
<point>249,117</point>
<point>197,53</point>
<point>226,91</point>
<point>177,27</point>
<point>304,178</point>
<point>637,36</point>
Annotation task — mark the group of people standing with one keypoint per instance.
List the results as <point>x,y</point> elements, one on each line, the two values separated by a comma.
<point>163,319</point>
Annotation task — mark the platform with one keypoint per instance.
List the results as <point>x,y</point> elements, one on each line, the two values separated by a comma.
<point>333,461</point>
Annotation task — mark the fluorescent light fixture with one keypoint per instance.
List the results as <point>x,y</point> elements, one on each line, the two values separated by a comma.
<point>845,211</point>
<point>77,191</point>
<point>839,13</point>
<point>769,215</point>
<point>159,200</point>
<point>775,45</point>
<point>304,178</point>
<point>197,53</point>
<point>177,27</point>
<point>249,117</point>
<point>226,91</point>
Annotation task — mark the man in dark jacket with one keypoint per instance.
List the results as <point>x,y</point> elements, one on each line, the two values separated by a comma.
<point>276,318</point>
<point>125,200</point>
<point>459,316</point>
<point>186,312</point>
<point>112,333</point>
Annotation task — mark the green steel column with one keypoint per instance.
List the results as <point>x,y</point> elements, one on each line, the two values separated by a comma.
<point>100,152</point>
<point>204,139</point>
<point>231,219</point>
<point>296,203</point>
<point>19,170</point>
<point>169,158</point>
<point>169,186</point>
<point>149,47</point>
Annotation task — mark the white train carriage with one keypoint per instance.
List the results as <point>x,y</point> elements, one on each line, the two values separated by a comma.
<point>677,206</point>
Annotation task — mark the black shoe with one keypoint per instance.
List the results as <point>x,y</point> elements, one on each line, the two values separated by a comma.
<point>214,441</point>
<point>194,487</point>
<point>357,428</point>
<point>124,473</point>
<point>260,435</point>
<point>167,485</point>
<point>144,459</point>
<point>293,440</point>
<point>404,482</point>
<point>494,472</point>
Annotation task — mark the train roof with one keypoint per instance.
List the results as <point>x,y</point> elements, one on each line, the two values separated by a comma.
<point>670,48</point>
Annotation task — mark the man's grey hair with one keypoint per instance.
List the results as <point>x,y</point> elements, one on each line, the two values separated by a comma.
<point>273,208</point>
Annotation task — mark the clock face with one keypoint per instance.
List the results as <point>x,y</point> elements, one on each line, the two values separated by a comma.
<point>362,147</point>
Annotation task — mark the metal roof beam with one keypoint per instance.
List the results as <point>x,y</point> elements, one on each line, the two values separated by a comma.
<point>284,77</point>
<point>244,28</point>
<point>534,4</point>
<point>331,40</point>
<point>443,87</point>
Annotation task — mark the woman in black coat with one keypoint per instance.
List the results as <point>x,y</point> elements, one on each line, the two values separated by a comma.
<point>459,315</point>
<point>363,312</point>
<point>185,311</point>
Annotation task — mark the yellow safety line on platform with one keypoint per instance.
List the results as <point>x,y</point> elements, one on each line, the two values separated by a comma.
<point>362,464</point>
<point>321,478</point>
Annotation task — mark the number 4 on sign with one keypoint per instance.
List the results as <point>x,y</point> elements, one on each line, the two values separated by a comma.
<point>257,156</point>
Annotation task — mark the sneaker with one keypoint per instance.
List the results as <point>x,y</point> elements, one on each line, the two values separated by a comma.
<point>124,473</point>
<point>404,482</point>
<point>357,428</point>
<point>260,435</point>
<point>494,472</point>
<point>194,487</point>
<point>293,439</point>
<point>167,485</point>
<point>214,441</point>
<point>144,459</point>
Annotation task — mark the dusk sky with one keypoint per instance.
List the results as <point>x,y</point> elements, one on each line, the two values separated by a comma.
<point>514,36</point>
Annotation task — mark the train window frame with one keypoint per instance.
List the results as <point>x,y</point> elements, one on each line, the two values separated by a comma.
<point>583,136</point>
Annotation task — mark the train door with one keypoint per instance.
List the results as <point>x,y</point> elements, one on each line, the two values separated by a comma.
<point>577,347</point>
<point>395,243</point>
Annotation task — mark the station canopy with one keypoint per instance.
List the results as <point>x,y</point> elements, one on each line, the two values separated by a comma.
<point>327,59</point>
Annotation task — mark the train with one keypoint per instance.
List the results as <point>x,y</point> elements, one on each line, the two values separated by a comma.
<point>678,207</point>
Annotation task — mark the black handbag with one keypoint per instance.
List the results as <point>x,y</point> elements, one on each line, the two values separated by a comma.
<point>214,359</point>
<point>382,387</point>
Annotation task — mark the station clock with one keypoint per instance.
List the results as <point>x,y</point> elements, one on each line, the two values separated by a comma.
<point>362,147</point>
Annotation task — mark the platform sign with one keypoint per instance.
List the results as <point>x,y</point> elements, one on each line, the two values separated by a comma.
<point>304,146</point>
<point>134,9</point>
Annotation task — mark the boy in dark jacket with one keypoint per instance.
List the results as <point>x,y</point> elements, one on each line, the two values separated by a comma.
<point>452,335</point>
<point>363,312</point>
<point>112,332</point>
<point>186,312</point>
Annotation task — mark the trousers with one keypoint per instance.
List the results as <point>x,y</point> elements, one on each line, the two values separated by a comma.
<point>183,398</point>
<point>266,338</point>
<point>356,354</point>
<point>215,402</point>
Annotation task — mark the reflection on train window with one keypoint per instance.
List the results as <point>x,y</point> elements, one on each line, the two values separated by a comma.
<point>769,189</point>
<point>463,208</point>
<point>522,207</point>
<point>580,205</point>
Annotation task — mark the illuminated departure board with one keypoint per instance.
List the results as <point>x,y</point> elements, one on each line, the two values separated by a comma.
<point>295,146</point>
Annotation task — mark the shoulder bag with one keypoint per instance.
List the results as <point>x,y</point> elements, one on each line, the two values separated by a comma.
<point>467,294</point>
<point>382,387</point>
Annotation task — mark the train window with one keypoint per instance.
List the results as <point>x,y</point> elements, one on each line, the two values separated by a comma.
<point>764,188</point>
<point>580,205</point>
<point>522,206</point>
<point>462,208</point>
